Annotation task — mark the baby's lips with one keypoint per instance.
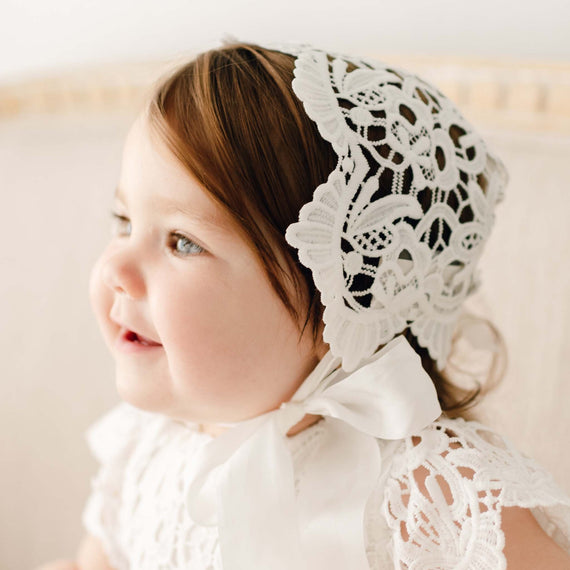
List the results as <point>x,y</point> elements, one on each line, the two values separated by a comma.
<point>146,341</point>
<point>132,336</point>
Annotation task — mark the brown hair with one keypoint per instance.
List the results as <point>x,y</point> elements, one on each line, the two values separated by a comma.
<point>231,118</point>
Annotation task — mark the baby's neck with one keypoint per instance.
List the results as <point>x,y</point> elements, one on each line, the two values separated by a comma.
<point>216,429</point>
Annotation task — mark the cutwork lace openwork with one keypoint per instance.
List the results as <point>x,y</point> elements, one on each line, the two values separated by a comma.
<point>394,235</point>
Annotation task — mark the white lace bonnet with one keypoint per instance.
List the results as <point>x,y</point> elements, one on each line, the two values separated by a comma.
<point>393,237</point>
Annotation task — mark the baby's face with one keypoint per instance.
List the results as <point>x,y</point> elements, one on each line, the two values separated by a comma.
<point>196,330</point>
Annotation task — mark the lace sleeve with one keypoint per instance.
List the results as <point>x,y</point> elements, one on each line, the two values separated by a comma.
<point>111,440</point>
<point>447,486</point>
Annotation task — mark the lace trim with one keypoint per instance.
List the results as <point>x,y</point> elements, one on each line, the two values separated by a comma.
<point>445,493</point>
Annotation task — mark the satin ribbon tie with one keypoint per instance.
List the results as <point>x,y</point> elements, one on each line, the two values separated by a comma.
<point>245,484</point>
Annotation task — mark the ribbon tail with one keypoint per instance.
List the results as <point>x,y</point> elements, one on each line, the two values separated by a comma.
<point>336,487</point>
<point>258,525</point>
<point>201,500</point>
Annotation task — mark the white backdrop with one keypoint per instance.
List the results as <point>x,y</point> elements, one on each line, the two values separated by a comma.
<point>37,35</point>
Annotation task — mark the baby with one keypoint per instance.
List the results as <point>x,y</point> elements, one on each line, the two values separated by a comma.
<point>295,233</point>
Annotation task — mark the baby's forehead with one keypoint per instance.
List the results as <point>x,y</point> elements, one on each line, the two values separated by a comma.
<point>151,171</point>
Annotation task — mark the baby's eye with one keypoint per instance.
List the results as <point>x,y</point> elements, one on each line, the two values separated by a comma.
<point>183,246</point>
<point>121,225</point>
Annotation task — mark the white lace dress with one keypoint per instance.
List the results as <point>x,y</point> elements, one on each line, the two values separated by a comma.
<point>437,504</point>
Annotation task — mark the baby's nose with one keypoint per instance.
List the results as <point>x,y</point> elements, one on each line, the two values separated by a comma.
<point>121,273</point>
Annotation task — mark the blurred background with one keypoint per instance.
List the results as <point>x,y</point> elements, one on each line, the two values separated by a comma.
<point>73,75</point>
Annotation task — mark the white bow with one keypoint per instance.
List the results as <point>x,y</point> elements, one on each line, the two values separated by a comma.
<point>244,481</point>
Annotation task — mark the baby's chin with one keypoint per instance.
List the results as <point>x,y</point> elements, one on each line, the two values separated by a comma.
<point>151,389</point>
<point>153,393</point>
<point>146,391</point>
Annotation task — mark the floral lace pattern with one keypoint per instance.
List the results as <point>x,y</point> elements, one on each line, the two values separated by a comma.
<point>445,493</point>
<point>437,503</point>
<point>393,236</point>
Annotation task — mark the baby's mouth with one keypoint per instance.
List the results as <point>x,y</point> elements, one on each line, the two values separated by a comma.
<point>132,336</point>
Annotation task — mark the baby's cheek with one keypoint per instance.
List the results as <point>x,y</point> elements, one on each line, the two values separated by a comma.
<point>200,328</point>
<point>101,299</point>
<point>194,318</point>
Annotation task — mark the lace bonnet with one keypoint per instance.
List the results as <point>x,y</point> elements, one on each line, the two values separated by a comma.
<point>393,237</point>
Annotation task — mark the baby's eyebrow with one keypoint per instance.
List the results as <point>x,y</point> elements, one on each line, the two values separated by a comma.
<point>166,207</point>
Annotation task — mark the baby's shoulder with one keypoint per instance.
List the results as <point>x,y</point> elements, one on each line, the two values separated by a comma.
<point>445,487</point>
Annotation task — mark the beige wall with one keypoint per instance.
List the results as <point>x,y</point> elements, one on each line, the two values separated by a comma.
<point>57,174</point>
<point>526,292</point>
<point>56,178</point>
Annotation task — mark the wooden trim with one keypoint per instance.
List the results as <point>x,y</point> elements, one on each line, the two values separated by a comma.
<point>514,95</point>
<point>517,95</point>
